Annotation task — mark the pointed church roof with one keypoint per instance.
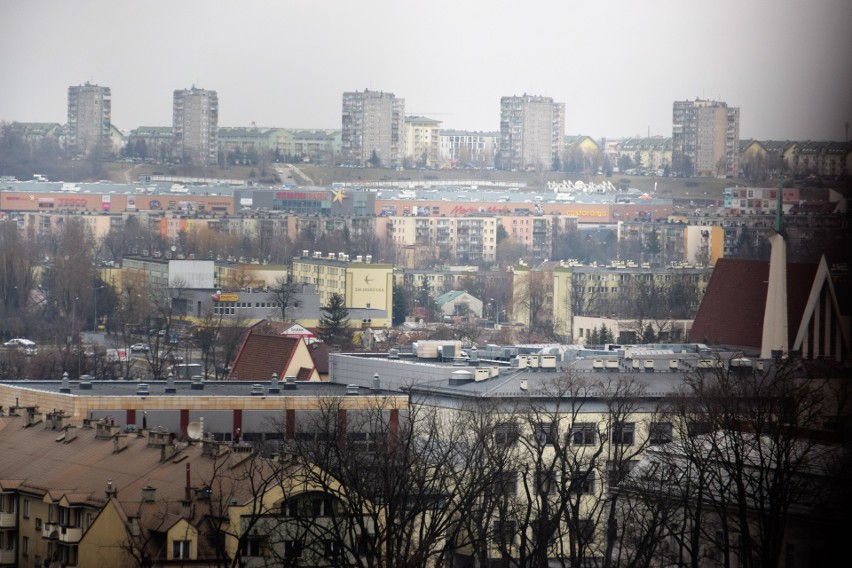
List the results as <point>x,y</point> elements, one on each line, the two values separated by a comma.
<point>731,311</point>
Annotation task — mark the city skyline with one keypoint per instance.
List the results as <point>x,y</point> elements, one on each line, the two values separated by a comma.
<point>617,67</point>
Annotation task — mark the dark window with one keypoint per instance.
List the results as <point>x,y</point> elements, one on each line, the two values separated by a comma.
<point>660,433</point>
<point>586,530</point>
<point>616,471</point>
<point>545,433</point>
<point>182,549</point>
<point>505,484</point>
<point>293,549</point>
<point>583,434</point>
<point>623,435</point>
<point>506,433</point>
<point>546,482</point>
<point>504,532</point>
<point>583,483</point>
<point>255,546</point>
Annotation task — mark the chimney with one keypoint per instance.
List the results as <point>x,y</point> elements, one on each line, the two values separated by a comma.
<point>33,416</point>
<point>149,494</point>
<point>70,433</point>
<point>167,452</point>
<point>110,492</point>
<point>119,443</point>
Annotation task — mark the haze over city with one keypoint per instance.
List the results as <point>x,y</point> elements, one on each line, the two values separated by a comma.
<point>617,66</point>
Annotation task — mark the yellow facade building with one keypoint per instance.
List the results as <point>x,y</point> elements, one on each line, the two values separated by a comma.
<point>363,284</point>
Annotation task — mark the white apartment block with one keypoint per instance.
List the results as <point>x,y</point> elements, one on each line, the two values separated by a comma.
<point>705,139</point>
<point>195,123</point>
<point>532,129</point>
<point>89,118</point>
<point>373,121</point>
<point>466,240</point>
<point>462,148</point>
<point>421,140</point>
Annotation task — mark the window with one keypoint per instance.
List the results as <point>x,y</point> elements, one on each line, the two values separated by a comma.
<point>38,524</point>
<point>545,482</point>
<point>506,433</point>
<point>623,434</point>
<point>26,508</point>
<point>545,433</point>
<point>616,471</point>
<point>586,530</point>
<point>25,546</point>
<point>504,532</point>
<point>505,484</point>
<point>293,549</point>
<point>583,434</point>
<point>182,549</point>
<point>255,545</point>
<point>660,433</point>
<point>583,483</point>
<point>367,442</point>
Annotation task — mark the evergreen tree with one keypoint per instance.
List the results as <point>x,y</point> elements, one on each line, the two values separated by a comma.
<point>400,304</point>
<point>334,328</point>
<point>375,160</point>
<point>606,335</point>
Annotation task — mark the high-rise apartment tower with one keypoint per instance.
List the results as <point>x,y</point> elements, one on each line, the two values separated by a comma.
<point>89,116</point>
<point>195,120</point>
<point>531,132</point>
<point>705,139</point>
<point>373,121</point>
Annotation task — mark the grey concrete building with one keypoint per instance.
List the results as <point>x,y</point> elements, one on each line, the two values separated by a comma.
<point>373,121</point>
<point>532,129</point>
<point>195,122</point>
<point>89,119</point>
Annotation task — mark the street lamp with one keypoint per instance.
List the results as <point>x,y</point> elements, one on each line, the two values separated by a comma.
<point>95,324</point>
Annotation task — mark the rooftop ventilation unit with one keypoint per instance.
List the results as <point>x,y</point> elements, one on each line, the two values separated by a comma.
<point>461,378</point>
<point>352,390</point>
<point>197,383</point>
<point>257,390</point>
<point>274,388</point>
<point>290,383</point>
<point>142,389</point>
<point>86,382</point>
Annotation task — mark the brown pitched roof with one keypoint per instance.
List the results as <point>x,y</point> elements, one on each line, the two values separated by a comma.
<point>261,355</point>
<point>731,311</point>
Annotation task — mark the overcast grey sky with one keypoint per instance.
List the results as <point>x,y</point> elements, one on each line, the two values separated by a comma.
<point>617,65</point>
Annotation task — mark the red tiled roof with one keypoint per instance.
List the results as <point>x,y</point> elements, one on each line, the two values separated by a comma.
<point>731,311</point>
<point>261,355</point>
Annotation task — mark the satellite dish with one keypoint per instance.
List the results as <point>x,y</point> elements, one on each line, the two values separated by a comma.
<point>195,431</point>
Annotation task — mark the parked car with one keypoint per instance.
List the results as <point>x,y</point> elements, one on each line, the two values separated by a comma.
<point>20,343</point>
<point>140,348</point>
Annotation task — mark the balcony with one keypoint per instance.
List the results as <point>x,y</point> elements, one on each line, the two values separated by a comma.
<point>7,556</point>
<point>70,534</point>
<point>7,520</point>
<point>50,531</point>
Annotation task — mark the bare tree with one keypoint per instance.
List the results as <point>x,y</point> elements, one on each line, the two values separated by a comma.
<point>283,293</point>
